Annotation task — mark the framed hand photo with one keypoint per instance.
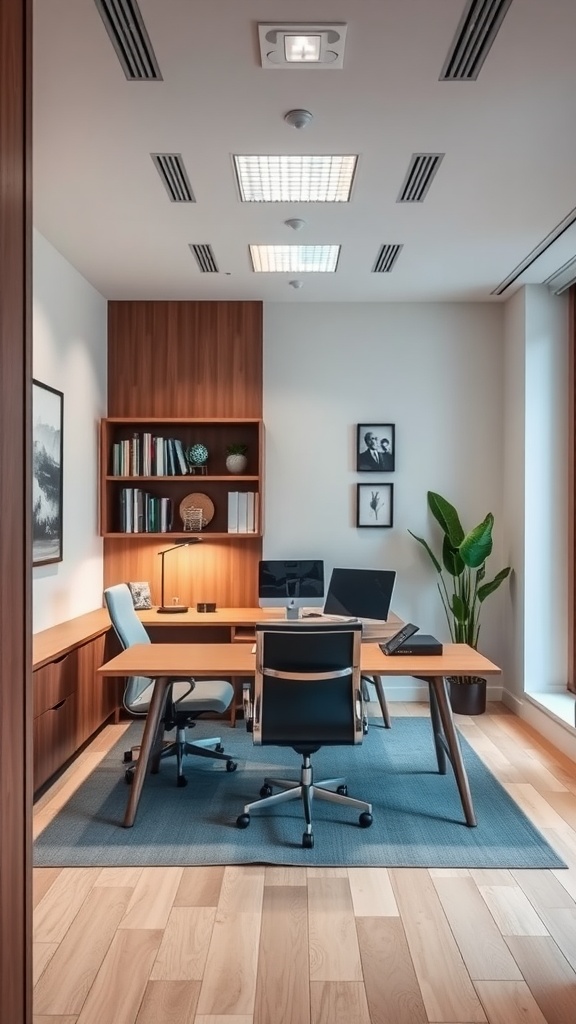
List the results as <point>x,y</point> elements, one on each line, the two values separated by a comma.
<point>374,504</point>
<point>375,448</point>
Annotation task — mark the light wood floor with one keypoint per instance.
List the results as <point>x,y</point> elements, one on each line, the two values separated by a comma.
<point>256,945</point>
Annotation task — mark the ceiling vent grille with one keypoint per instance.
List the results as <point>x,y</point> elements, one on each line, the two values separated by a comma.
<point>562,278</point>
<point>204,258</point>
<point>531,258</point>
<point>475,34</point>
<point>419,177</point>
<point>386,259</point>
<point>124,25</point>
<point>171,169</point>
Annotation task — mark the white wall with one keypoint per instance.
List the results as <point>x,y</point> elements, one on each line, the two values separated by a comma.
<point>434,370</point>
<point>69,353</point>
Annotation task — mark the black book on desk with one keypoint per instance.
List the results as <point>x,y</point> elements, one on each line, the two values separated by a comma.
<point>420,643</point>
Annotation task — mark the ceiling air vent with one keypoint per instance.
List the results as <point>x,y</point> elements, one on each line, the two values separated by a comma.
<point>475,34</point>
<point>531,258</point>
<point>386,259</point>
<point>205,258</point>
<point>421,171</point>
<point>170,167</point>
<point>124,25</point>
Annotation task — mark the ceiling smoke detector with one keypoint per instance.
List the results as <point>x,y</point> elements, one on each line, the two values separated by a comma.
<point>295,284</point>
<point>306,45</point>
<point>295,223</point>
<point>298,118</point>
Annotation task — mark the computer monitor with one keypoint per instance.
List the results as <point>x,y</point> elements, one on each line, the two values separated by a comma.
<point>362,593</point>
<point>292,585</point>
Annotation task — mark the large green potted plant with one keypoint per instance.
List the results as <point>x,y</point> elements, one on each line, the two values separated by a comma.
<point>462,571</point>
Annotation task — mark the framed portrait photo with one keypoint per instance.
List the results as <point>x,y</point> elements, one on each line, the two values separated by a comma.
<point>374,505</point>
<point>47,442</point>
<point>375,448</point>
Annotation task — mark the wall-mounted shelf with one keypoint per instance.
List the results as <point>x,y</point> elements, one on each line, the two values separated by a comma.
<point>147,504</point>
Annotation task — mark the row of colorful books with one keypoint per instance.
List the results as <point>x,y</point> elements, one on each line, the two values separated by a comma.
<point>148,455</point>
<point>141,512</point>
<point>243,511</point>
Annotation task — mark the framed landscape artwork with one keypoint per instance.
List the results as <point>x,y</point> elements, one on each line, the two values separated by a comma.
<point>375,448</point>
<point>47,448</point>
<point>374,505</point>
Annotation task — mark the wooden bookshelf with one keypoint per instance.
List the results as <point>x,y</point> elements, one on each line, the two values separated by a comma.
<point>173,487</point>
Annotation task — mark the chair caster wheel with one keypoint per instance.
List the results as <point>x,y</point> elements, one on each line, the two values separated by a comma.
<point>308,841</point>
<point>182,781</point>
<point>243,820</point>
<point>219,749</point>
<point>364,727</point>
<point>128,757</point>
<point>365,820</point>
<point>231,766</point>
<point>128,777</point>
<point>266,790</point>
<point>342,790</point>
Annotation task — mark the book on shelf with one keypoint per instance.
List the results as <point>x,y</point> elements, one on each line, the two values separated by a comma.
<point>242,512</point>
<point>232,511</point>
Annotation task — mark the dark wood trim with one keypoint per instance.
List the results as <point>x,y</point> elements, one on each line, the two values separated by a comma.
<point>15,534</point>
<point>572,494</point>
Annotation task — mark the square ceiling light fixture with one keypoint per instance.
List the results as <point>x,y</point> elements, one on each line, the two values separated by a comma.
<point>294,259</point>
<point>302,45</point>
<point>295,179</point>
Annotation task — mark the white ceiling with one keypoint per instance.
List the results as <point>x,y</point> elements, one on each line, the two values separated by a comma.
<point>507,180</point>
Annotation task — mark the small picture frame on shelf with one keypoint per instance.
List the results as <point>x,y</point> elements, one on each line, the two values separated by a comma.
<point>374,505</point>
<point>375,448</point>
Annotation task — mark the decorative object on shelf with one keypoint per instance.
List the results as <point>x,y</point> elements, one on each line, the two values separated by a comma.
<point>197,457</point>
<point>375,448</point>
<point>192,519</point>
<point>464,558</point>
<point>236,460</point>
<point>141,596</point>
<point>175,606</point>
<point>375,505</point>
<point>197,502</point>
<point>47,453</point>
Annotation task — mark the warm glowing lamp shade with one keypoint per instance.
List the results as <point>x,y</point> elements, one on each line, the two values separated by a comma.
<point>173,608</point>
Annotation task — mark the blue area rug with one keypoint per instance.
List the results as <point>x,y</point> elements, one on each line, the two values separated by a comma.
<point>418,820</point>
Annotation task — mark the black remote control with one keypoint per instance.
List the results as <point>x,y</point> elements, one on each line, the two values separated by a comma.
<point>398,639</point>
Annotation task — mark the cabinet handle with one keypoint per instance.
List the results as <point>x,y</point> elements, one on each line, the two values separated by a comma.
<point>59,705</point>
<point>58,661</point>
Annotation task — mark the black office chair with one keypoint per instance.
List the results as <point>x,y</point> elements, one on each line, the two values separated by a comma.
<point>187,698</point>
<point>307,695</point>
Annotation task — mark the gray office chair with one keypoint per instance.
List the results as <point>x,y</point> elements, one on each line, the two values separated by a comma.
<point>307,695</point>
<point>187,698</point>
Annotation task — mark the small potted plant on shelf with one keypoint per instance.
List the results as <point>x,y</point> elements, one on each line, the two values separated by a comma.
<point>463,560</point>
<point>236,460</point>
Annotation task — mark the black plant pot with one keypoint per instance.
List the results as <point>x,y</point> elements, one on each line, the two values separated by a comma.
<point>468,698</point>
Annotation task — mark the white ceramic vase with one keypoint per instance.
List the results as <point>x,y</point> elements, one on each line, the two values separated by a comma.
<point>236,464</point>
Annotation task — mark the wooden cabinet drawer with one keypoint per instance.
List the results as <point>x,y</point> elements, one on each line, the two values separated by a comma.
<point>55,681</point>
<point>54,738</point>
<point>97,697</point>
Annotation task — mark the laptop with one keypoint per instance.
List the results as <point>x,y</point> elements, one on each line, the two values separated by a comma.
<point>360,593</point>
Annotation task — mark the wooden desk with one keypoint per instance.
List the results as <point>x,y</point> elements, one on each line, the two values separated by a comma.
<point>164,662</point>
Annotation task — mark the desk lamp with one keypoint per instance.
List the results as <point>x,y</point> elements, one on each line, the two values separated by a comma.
<point>173,608</point>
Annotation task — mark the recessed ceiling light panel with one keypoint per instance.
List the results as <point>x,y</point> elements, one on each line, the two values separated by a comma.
<point>319,46</point>
<point>295,179</point>
<point>294,259</point>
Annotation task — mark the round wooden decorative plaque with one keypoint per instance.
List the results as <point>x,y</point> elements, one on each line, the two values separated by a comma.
<point>201,501</point>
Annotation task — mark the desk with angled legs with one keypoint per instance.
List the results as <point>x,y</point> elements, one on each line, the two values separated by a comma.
<point>164,662</point>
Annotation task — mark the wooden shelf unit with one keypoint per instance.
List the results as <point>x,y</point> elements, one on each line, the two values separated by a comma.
<point>216,434</point>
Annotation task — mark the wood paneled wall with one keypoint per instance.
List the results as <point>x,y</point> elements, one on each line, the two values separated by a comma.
<point>572,496</point>
<point>189,359</point>
<point>15,539</point>
<point>185,359</point>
